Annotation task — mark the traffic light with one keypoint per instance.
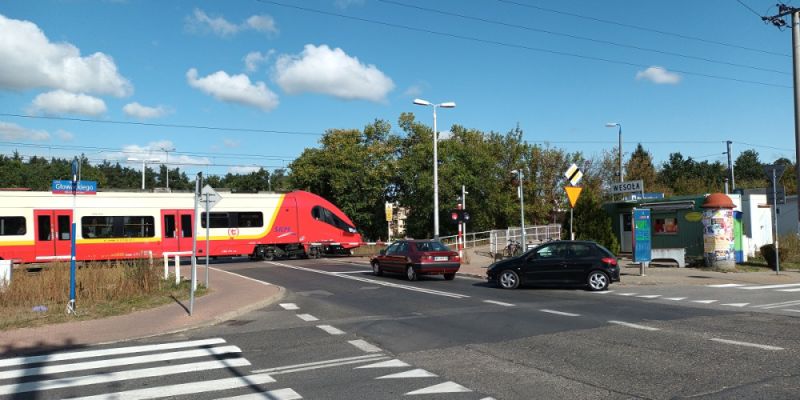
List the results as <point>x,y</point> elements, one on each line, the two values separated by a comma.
<point>459,216</point>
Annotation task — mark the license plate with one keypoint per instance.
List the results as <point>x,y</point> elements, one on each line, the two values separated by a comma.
<point>439,258</point>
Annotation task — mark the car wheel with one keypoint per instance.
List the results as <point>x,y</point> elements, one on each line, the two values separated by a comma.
<point>376,269</point>
<point>509,279</point>
<point>450,276</point>
<point>410,273</point>
<point>597,281</point>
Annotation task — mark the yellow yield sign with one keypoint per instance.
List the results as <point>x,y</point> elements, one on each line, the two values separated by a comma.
<point>573,192</point>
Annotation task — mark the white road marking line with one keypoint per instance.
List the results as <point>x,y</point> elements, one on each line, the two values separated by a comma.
<point>334,362</point>
<point>289,306</point>
<point>115,362</point>
<point>675,298</point>
<point>488,398</point>
<point>636,326</point>
<point>108,377</point>
<point>603,292</point>
<point>352,272</point>
<point>364,346</point>
<point>447,387</point>
<point>76,355</point>
<point>307,317</point>
<point>704,301</point>
<point>769,286</point>
<point>330,329</point>
<point>736,304</point>
<point>185,388</point>
<point>414,373</point>
<point>309,368</point>
<point>386,364</point>
<point>790,309</point>
<point>726,285</point>
<point>566,314</point>
<point>279,394</point>
<point>756,345</point>
<point>789,290</point>
<point>242,276</point>
<point>499,303</point>
<point>781,304</point>
<point>650,296</point>
<point>374,282</point>
<point>627,294</point>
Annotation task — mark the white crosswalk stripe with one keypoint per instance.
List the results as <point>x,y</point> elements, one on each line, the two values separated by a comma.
<point>189,367</point>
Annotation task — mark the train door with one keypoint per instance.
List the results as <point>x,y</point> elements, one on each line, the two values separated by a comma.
<point>176,230</point>
<point>53,234</point>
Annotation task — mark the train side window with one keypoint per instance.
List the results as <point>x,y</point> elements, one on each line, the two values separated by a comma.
<point>137,226</point>
<point>64,227</point>
<point>250,219</point>
<point>186,226</point>
<point>327,216</point>
<point>97,227</point>
<point>12,226</point>
<point>217,220</point>
<point>44,227</point>
<point>169,226</point>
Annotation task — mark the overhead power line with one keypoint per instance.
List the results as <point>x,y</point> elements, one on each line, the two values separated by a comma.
<point>211,128</point>
<point>749,8</point>
<point>513,45</point>
<point>645,29</point>
<point>584,38</point>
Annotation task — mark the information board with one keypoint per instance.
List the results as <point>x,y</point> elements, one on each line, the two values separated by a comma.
<point>642,244</point>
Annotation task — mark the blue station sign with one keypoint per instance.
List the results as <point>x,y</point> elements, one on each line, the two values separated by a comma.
<point>65,187</point>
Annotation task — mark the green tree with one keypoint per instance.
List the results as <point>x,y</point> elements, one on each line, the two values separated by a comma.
<point>590,222</point>
<point>748,170</point>
<point>640,167</point>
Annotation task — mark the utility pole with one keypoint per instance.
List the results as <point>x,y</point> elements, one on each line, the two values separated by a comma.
<point>730,167</point>
<point>778,21</point>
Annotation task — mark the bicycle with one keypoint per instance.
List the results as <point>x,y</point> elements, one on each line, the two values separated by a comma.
<point>513,249</point>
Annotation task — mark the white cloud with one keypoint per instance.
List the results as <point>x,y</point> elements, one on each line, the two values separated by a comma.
<point>243,170</point>
<point>200,22</point>
<point>659,75</point>
<point>137,110</point>
<point>231,143</point>
<point>331,71</point>
<point>255,58</point>
<point>9,131</point>
<point>65,136</point>
<point>413,91</point>
<point>234,89</point>
<point>262,23</point>
<point>28,60</point>
<point>62,102</point>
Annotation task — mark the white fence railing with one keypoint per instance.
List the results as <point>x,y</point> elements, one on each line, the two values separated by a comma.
<point>534,235</point>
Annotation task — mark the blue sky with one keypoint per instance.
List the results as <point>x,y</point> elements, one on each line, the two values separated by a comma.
<point>271,76</point>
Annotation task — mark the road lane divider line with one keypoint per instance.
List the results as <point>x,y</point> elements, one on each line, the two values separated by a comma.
<point>675,298</point>
<point>365,346</point>
<point>726,285</point>
<point>747,344</point>
<point>373,281</point>
<point>770,286</point>
<point>116,362</point>
<point>361,271</point>
<point>187,388</point>
<point>242,276</point>
<point>781,304</point>
<point>602,292</point>
<point>704,301</point>
<point>109,377</point>
<point>277,394</point>
<point>395,363</point>
<point>499,303</point>
<point>307,317</point>
<point>336,361</point>
<point>289,306</point>
<point>447,387</point>
<point>76,355</point>
<point>331,329</point>
<point>414,373</point>
<point>627,294</point>
<point>566,314</point>
<point>650,296</point>
<point>635,326</point>
<point>736,304</point>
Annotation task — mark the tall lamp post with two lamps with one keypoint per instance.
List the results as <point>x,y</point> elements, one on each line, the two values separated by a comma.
<point>448,104</point>
<point>144,165</point>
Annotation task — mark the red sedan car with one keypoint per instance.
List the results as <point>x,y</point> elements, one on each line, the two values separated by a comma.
<point>417,257</point>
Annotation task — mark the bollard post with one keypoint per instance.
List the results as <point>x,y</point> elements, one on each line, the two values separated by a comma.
<point>6,268</point>
<point>166,266</point>
<point>177,269</point>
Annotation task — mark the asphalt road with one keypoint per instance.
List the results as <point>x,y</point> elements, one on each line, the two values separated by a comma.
<point>342,333</point>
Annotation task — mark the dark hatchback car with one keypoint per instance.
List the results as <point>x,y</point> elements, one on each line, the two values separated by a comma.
<point>558,263</point>
<point>417,257</point>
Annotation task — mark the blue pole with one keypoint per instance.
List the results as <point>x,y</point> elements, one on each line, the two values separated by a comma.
<point>72,268</point>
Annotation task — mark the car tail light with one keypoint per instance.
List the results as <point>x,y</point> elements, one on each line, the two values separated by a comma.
<point>427,258</point>
<point>610,261</point>
<point>455,258</point>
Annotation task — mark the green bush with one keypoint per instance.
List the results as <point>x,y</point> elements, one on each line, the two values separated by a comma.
<point>768,252</point>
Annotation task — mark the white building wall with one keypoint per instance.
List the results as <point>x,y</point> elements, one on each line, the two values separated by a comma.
<point>756,222</point>
<point>787,217</point>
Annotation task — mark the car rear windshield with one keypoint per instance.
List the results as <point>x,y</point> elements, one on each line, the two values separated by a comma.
<point>432,246</point>
<point>606,251</point>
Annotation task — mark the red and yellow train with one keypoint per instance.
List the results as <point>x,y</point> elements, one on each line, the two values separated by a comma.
<point>36,226</point>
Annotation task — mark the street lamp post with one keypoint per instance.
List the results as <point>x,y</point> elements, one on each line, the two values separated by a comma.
<point>167,150</point>
<point>521,208</point>
<point>144,165</point>
<point>448,104</point>
<point>613,125</point>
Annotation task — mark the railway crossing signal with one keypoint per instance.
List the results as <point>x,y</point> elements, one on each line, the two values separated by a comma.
<point>459,216</point>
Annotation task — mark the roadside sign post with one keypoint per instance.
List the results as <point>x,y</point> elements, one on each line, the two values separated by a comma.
<point>197,181</point>
<point>642,244</point>
<point>210,198</point>
<point>775,196</point>
<point>628,187</point>
<point>72,266</point>
<point>573,175</point>
<point>388,209</point>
